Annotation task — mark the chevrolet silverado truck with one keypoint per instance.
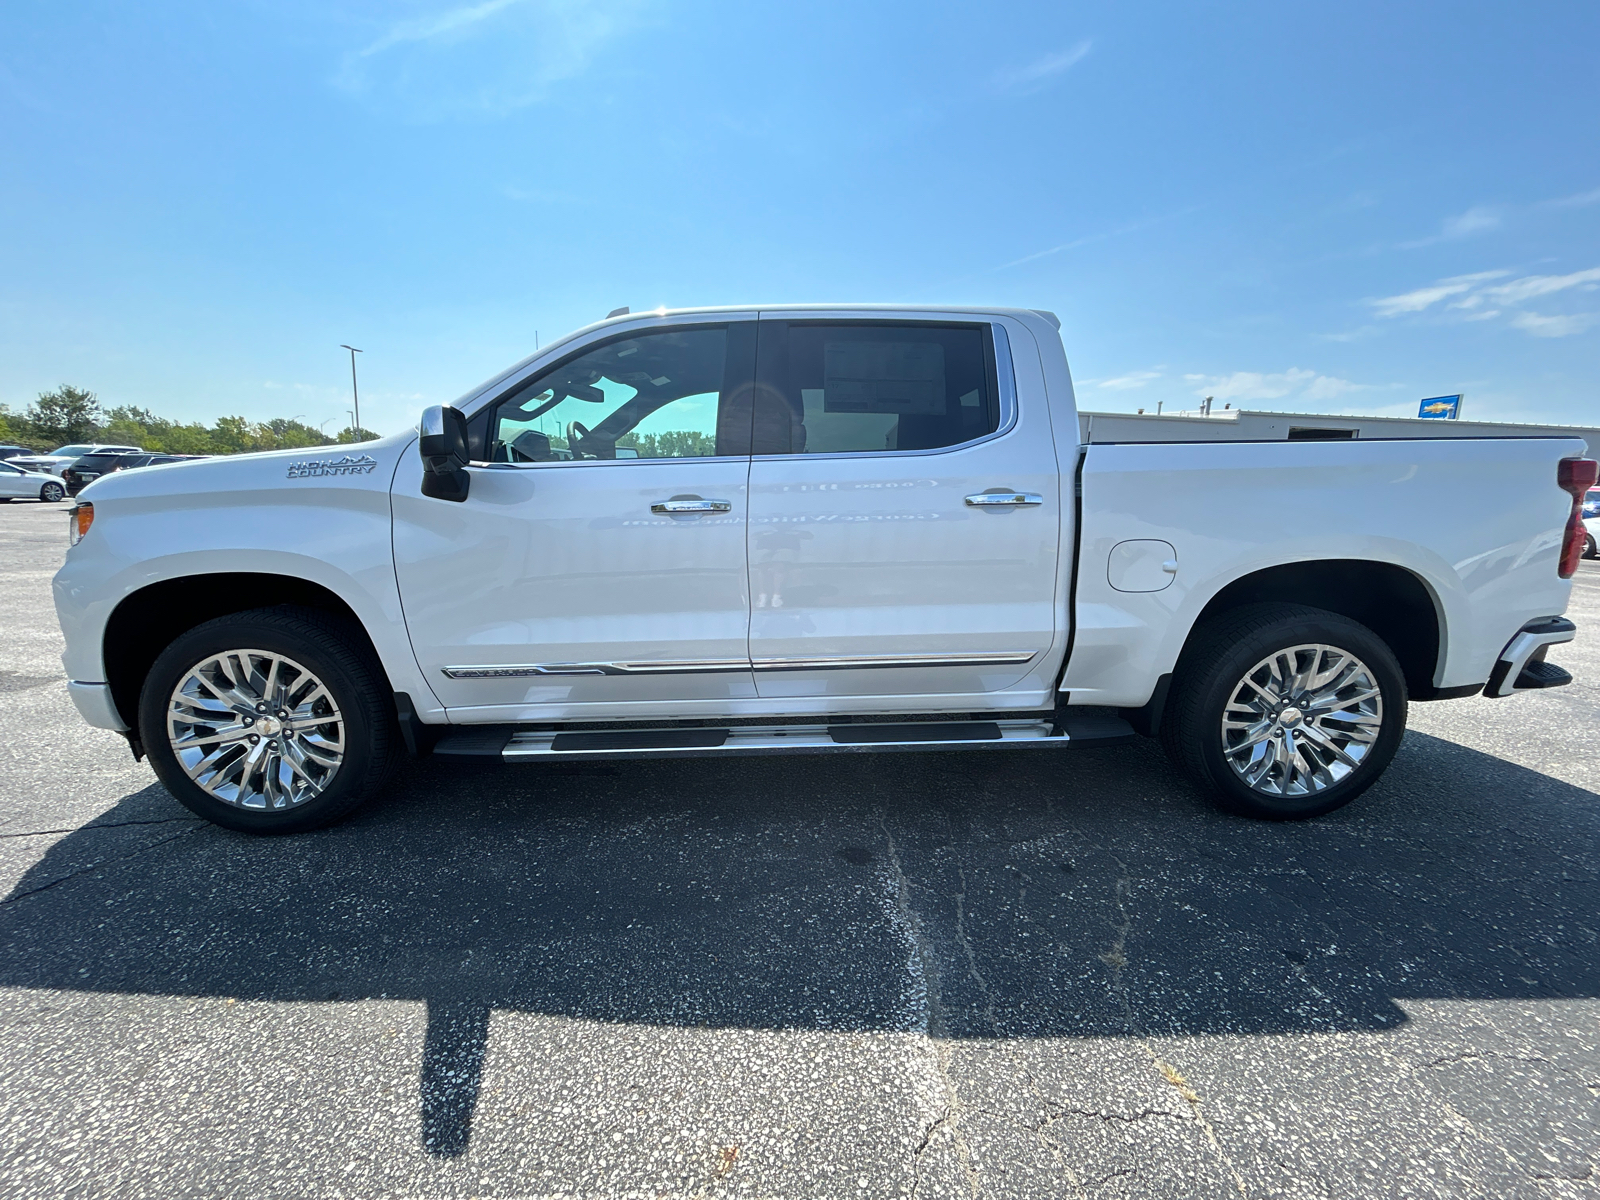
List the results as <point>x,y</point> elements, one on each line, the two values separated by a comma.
<point>800,530</point>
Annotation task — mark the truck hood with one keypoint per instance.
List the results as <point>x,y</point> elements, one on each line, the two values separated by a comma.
<point>238,478</point>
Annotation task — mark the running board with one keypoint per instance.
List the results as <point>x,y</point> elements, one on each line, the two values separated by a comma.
<point>527,745</point>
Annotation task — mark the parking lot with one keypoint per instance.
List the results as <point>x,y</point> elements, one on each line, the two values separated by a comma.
<point>932,975</point>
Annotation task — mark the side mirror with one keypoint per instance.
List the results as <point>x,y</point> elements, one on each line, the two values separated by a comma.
<point>443,447</point>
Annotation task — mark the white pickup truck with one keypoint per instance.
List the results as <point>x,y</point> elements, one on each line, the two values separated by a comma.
<point>800,530</point>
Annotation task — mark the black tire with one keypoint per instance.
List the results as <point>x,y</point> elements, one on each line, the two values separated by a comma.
<point>1589,548</point>
<point>53,493</point>
<point>330,649</point>
<point>1213,669</point>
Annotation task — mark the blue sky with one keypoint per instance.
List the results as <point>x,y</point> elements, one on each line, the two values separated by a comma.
<point>1314,207</point>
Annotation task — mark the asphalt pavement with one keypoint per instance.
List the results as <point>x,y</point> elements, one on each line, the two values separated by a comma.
<point>1053,974</point>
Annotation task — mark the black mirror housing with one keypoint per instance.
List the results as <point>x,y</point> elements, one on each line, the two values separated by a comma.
<point>443,446</point>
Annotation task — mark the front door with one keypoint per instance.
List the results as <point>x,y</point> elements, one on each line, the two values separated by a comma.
<point>904,515</point>
<point>598,563</point>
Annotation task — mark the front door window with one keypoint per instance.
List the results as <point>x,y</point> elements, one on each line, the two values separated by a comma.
<point>653,395</point>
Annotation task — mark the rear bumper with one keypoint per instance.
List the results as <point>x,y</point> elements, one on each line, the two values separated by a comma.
<point>95,705</point>
<point>1521,666</point>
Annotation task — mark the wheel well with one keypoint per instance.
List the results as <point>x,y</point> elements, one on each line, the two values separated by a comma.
<point>146,622</point>
<point>1389,600</point>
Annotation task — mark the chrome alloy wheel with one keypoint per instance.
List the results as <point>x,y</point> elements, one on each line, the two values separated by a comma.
<point>255,729</point>
<point>1301,720</point>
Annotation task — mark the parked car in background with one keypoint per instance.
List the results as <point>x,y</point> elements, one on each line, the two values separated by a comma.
<point>17,484</point>
<point>1591,503</point>
<point>87,468</point>
<point>8,452</point>
<point>90,467</point>
<point>63,457</point>
<point>155,460</point>
<point>1591,547</point>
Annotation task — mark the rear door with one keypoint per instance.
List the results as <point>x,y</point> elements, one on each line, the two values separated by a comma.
<point>904,513</point>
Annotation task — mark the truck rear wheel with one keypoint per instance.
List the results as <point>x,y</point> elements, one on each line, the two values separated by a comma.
<point>268,721</point>
<point>1283,712</point>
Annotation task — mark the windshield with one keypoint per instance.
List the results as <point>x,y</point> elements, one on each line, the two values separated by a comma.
<point>72,450</point>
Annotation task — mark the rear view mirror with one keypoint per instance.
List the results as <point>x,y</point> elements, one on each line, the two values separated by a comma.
<point>443,446</point>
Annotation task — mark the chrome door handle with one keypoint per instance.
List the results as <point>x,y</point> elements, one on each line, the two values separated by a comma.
<point>1005,500</point>
<point>692,506</point>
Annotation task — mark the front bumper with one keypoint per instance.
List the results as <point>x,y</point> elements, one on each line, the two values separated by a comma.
<point>95,705</point>
<point>1522,667</point>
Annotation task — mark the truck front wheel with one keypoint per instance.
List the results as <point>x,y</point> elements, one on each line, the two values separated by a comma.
<point>1283,712</point>
<point>268,721</point>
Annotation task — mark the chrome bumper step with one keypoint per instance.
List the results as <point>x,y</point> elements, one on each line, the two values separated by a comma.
<point>513,744</point>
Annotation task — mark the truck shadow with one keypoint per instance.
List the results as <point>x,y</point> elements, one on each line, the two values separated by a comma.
<point>970,896</point>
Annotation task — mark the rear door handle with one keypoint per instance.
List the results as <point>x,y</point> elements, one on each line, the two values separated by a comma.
<point>695,505</point>
<point>1005,500</point>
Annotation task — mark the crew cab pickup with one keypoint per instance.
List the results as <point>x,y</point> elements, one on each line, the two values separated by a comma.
<point>797,530</point>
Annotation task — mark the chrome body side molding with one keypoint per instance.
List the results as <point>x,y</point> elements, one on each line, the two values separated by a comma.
<point>853,663</point>
<point>667,667</point>
<point>530,670</point>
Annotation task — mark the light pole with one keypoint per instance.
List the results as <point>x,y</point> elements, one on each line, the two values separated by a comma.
<point>356,395</point>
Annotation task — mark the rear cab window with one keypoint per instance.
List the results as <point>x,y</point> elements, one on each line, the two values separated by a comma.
<point>867,387</point>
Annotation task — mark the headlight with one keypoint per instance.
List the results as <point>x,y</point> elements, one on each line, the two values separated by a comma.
<point>78,521</point>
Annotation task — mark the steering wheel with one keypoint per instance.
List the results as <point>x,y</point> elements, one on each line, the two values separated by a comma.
<point>576,433</point>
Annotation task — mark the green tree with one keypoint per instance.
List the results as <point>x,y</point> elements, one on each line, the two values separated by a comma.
<point>233,435</point>
<point>194,438</point>
<point>671,443</point>
<point>290,434</point>
<point>68,414</point>
<point>14,428</point>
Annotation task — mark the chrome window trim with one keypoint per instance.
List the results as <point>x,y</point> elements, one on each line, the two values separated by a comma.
<point>1005,384</point>
<point>602,462</point>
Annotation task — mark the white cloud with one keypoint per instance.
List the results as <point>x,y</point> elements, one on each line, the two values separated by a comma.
<point>1422,298</point>
<point>1476,298</point>
<point>1041,71</point>
<point>1530,286</point>
<point>1256,385</point>
<point>1553,327</point>
<point>1581,200</point>
<point>489,58</point>
<point>1121,383</point>
<point>1480,218</point>
<point>424,29</point>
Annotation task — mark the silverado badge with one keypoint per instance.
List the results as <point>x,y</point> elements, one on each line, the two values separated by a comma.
<point>347,465</point>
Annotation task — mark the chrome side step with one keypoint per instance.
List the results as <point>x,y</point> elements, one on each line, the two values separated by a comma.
<point>530,745</point>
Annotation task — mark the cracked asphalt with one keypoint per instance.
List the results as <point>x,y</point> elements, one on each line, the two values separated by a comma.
<point>929,975</point>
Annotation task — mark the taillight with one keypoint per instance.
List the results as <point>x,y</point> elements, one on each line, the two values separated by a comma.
<point>79,519</point>
<point>1577,476</point>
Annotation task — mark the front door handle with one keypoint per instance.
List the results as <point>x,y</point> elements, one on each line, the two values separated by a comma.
<point>686,504</point>
<point>1005,500</point>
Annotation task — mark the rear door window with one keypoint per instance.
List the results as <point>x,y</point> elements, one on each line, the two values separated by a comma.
<point>872,387</point>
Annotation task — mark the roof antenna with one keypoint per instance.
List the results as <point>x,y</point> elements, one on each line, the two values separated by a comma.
<point>617,312</point>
